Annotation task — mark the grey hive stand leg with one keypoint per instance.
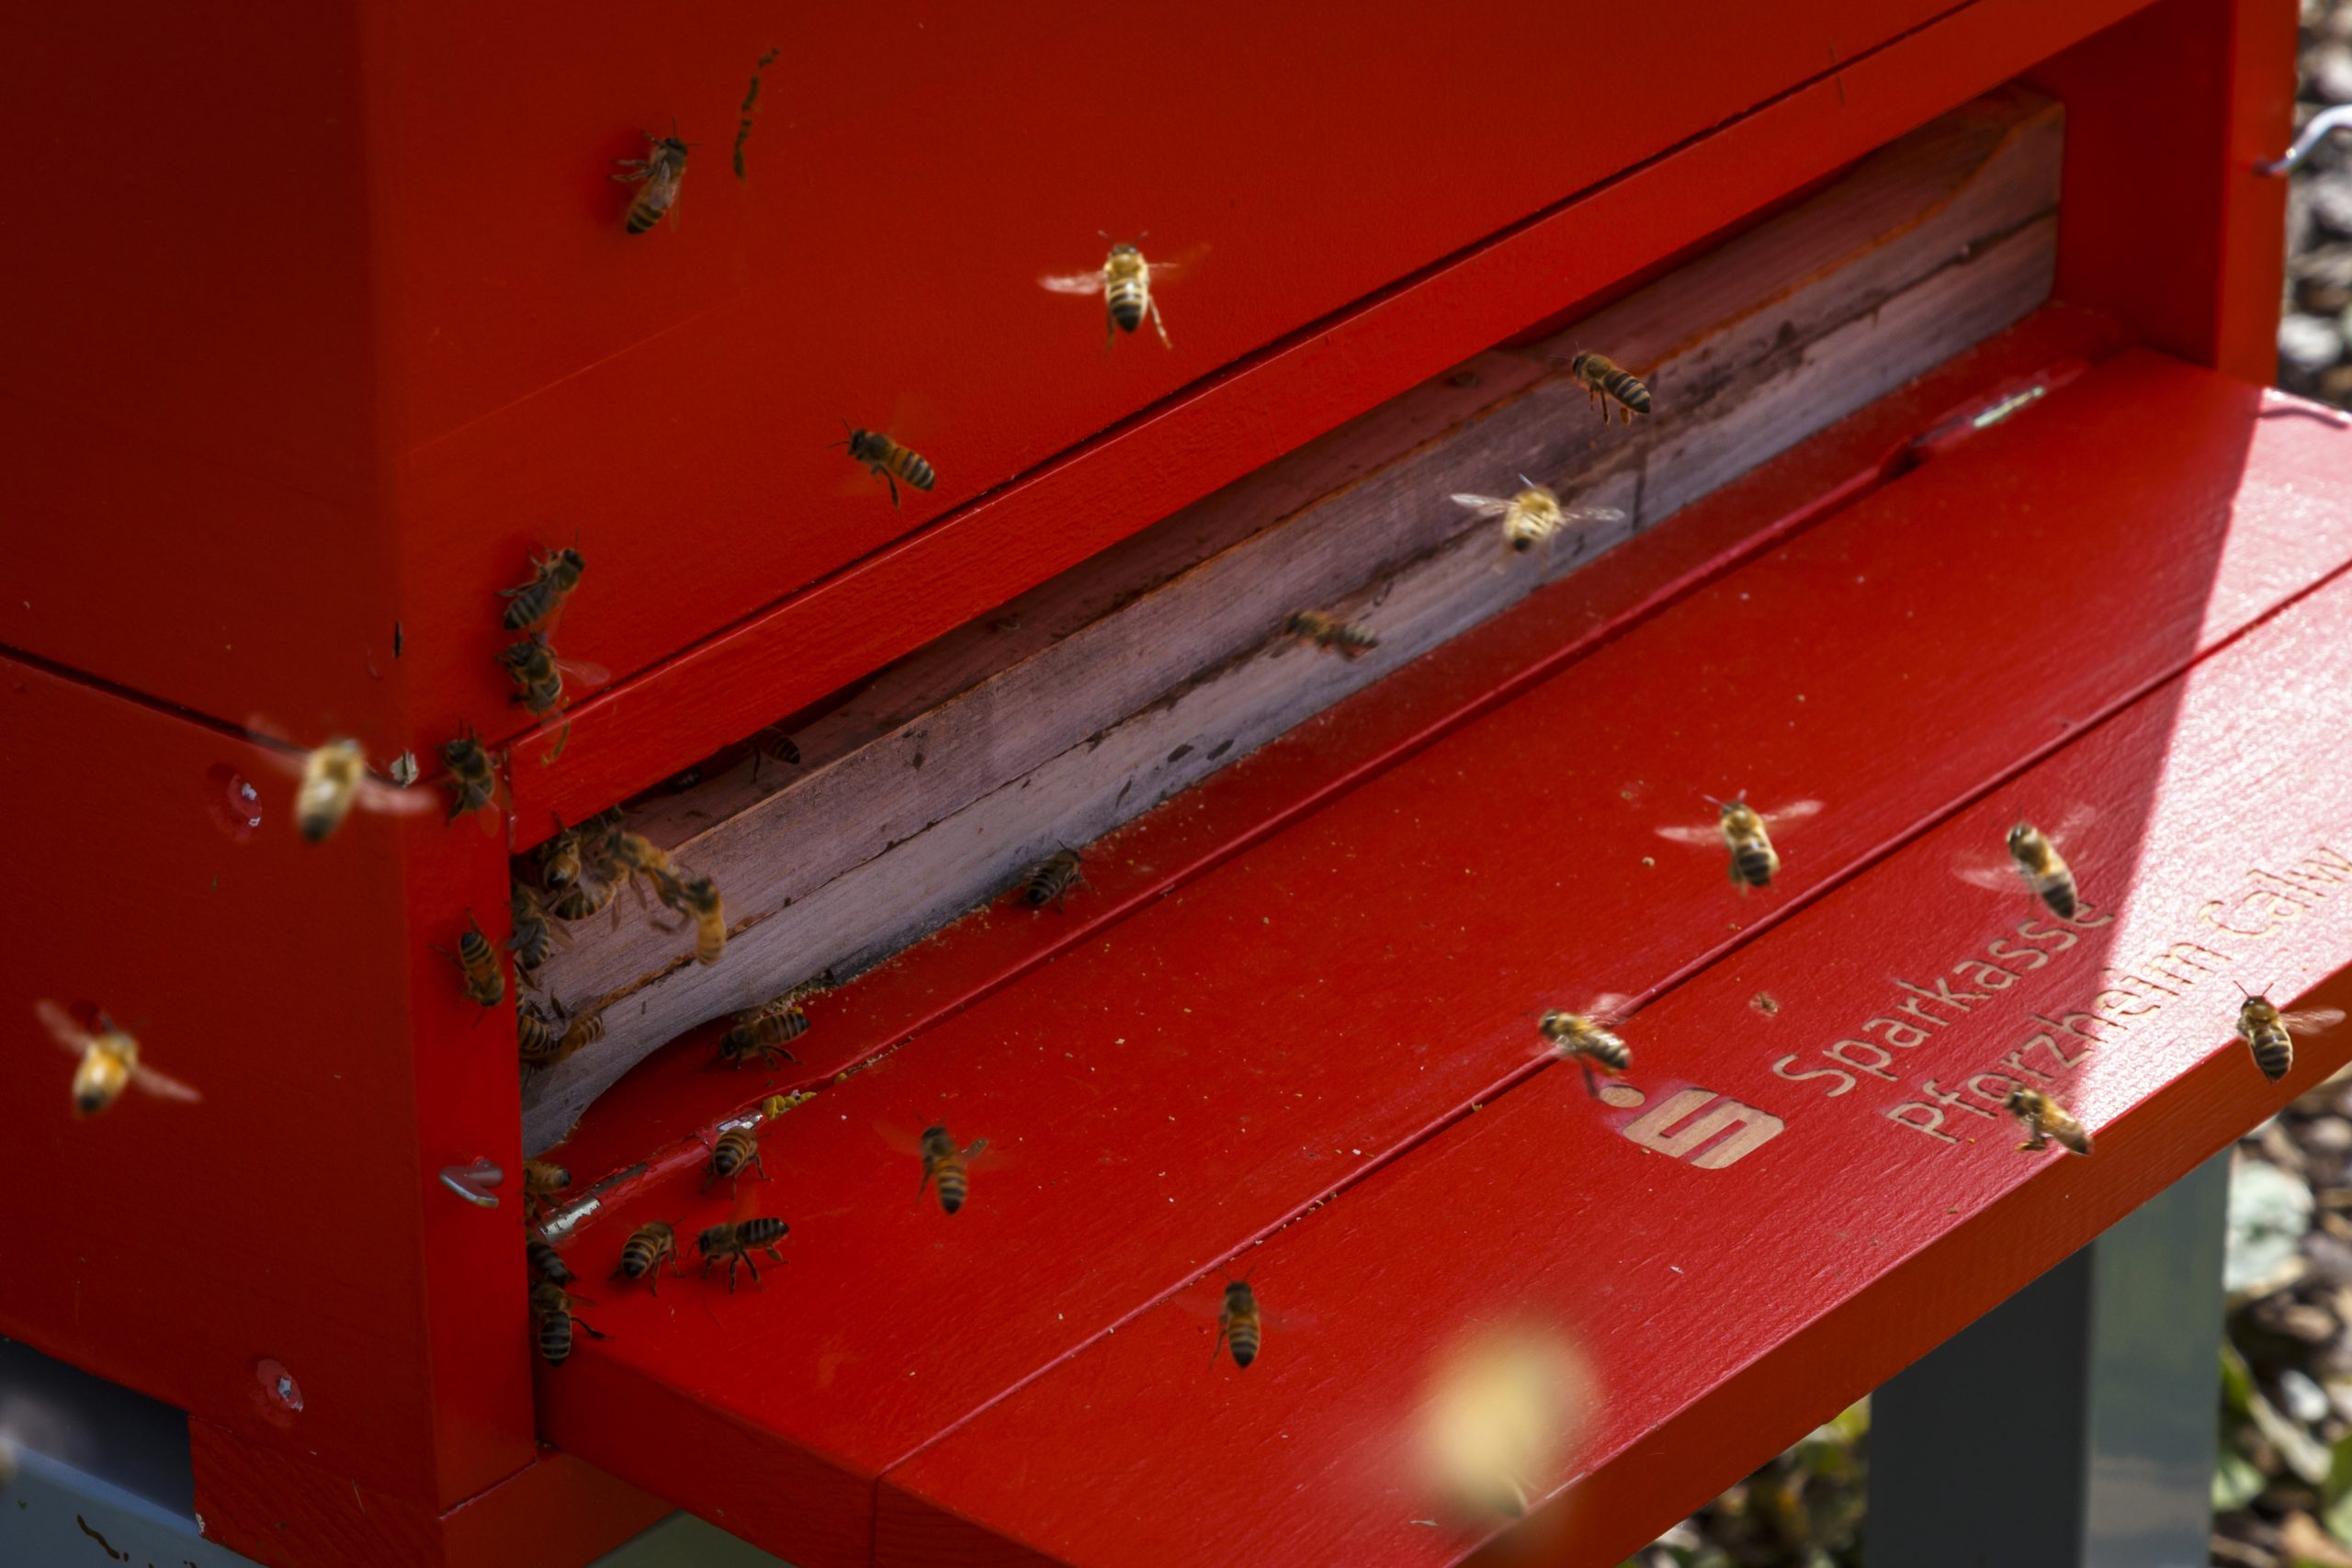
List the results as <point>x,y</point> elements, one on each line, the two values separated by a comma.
<point>2073,1426</point>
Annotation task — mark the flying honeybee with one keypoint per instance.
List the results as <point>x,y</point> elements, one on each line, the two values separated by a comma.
<point>943,1162</point>
<point>2269,1033</point>
<point>1238,1325</point>
<point>110,1061</point>
<point>536,605</point>
<point>736,1147</point>
<point>477,961</point>
<point>553,1308</point>
<point>1742,830</point>
<point>659,174</point>
<point>1050,880</point>
<point>737,1239</point>
<point>2046,1119</point>
<point>1330,633</point>
<point>647,1246</point>
<point>538,674</point>
<point>1534,515</point>
<point>1587,1038</point>
<point>335,778</point>
<point>2033,856</point>
<point>761,1032</point>
<point>545,1260</point>
<point>1125,281</point>
<point>1610,385</point>
<point>888,461</point>
<point>473,781</point>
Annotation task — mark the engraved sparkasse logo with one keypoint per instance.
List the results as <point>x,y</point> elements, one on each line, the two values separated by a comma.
<point>1696,1125</point>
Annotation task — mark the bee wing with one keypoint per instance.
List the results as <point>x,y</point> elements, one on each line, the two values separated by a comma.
<point>2313,1021</point>
<point>579,673</point>
<point>1484,505</point>
<point>1072,283</point>
<point>2001,878</point>
<point>2077,818</point>
<point>390,799</point>
<point>1590,513</point>
<point>162,1085</point>
<point>1185,262</point>
<point>1794,812</point>
<point>899,1138</point>
<point>1708,836</point>
<point>61,1026</point>
<point>1609,1007</point>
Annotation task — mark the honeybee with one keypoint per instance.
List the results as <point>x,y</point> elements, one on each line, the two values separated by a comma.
<point>584,1029</point>
<point>1534,515</point>
<point>1125,281</point>
<point>477,961</point>
<point>629,855</point>
<point>542,1180</point>
<point>538,674</point>
<point>1587,1038</point>
<point>762,1031</point>
<point>771,742</point>
<point>1238,1325</point>
<point>545,1260</point>
<point>642,1256</point>
<point>699,897</point>
<point>737,1240</point>
<point>538,1036</point>
<point>552,1307</point>
<point>2268,1032</point>
<point>944,1163</point>
<point>1742,830</point>
<point>335,778</point>
<point>1610,386</point>
<point>1050,880</point>
<point>473,781</point>
<point>1330,633</point>
<point>2033,855</point>
<point>2046,1119</point>
<point>534,938</point>
<point>109,1062</point>
<point>736,1147</point>
<point>888,461</point>
<point>538,605</point>
<point>659,174</point>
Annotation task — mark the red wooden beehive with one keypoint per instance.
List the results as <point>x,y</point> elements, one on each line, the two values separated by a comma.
<point>340,326</point>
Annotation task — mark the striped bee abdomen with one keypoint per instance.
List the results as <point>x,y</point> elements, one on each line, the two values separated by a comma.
<point>2274,1051</point>
<point>1126,303</point>
<point>1752,866</point>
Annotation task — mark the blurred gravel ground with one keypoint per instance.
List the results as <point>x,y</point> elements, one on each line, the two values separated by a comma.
<point>2282,1481</point>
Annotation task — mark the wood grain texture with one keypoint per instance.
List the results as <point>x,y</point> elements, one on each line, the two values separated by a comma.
<point>844,627</point>
<point>1725,1311</point>
<point>1230,1055</point>
<point>1132,677</point>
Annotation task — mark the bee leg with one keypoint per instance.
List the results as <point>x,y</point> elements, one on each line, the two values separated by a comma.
<point>762,1163</point>
<point>1161,326</point>
<point>653,1280</point>
<point>1591,1084</point>
<point>562,738</point>
<point>891,479</point>
<point>593,1334</point>
<point>750,1263</point>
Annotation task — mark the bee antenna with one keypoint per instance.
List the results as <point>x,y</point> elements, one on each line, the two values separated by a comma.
<point>846,434</point>
<point>1527,482</point>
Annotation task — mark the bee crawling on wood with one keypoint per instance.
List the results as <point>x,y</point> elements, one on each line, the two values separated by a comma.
<point>476,962</point>
<point>1743,832</point>
<point>642,1255</point>
<point>542,1181</point>
<point>1589,1039</point>
<point>533,936</point>
<point>545,1260</point>
<point>1329,633</point>
<point>2045,1119</point>
<point>659,177</point>
<point>737,1240</point>
<point>552,1307</point>
<point>736,1148</point>
<point>763,1031</point>
<point>1050,880</point>
<point>1610,386</point>
<point>538,604</point>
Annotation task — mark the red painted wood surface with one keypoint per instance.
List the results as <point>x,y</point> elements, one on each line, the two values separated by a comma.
<point>649,394</point>
<point>293,1214</point>
<point>1725,1311</point>
<point>1233,1054</point>
<point>556,1512</point>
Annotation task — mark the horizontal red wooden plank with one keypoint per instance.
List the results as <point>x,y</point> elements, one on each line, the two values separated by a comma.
<point>291,1216</point>
<point>1730,1288</point>
<point>671,1098</point>
<point>1353,982</point>
<point>720,550</point>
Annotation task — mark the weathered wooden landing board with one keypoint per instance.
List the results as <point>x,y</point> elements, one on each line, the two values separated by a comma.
<point>1780,1208</point>
<point>1093,697</point>
<point>1237,1051</point>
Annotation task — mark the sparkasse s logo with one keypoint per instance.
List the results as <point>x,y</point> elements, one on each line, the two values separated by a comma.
<point>1697,1125</point>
